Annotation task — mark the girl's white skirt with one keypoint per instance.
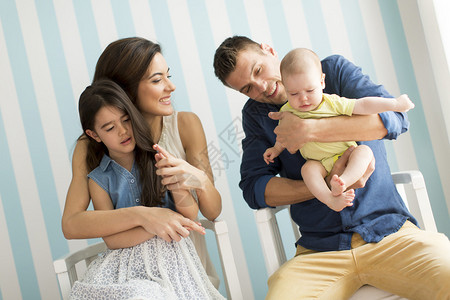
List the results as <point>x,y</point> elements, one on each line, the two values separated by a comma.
<point>155,269</point>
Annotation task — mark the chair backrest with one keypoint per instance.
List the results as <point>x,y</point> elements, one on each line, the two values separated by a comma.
<point>66,267</point>
<point>410,185</point>
<point>67,271</point>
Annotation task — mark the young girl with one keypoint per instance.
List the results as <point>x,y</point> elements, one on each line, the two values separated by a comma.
<point>126,176</point>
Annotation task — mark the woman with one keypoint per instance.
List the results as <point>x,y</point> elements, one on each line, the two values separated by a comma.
<point>138,66</point>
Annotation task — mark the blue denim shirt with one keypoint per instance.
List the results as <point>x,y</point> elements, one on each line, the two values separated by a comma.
<point>378,209</point>
<point>123,186</point>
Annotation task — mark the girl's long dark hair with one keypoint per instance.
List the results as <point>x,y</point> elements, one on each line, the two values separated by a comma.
<point>107,93</point>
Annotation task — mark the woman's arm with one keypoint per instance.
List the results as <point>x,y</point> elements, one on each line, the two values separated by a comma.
<point>102,202</point>
<point>185,203</point>
<point>194,142</point>
<point>78,223</point>
<point>163,222</point>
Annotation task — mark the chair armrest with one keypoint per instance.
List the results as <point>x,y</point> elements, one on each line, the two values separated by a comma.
<point>417,197</point>
<point>270,238</point>
<point>409,177</point>
<point>64,263</point>
<point>228,263</point>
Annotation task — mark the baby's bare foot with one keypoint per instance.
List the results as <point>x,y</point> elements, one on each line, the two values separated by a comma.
<point>404,103</point>
<point>349,196</point>
<point>342,201</point>
<point>337,185</point>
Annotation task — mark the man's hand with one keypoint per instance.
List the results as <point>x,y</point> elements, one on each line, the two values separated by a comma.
<point>292,132</point>
<point>341,164</point>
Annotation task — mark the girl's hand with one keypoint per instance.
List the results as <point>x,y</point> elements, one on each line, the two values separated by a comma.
<point>177,173</point>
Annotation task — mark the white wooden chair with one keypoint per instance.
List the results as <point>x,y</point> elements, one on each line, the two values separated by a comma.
<point>411,187</point>
<point>68,270</point>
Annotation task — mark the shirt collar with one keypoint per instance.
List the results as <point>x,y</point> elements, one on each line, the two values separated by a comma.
<point>106,160</point>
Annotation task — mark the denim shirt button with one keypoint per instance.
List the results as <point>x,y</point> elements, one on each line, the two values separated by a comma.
<point>137,200</point>
<point>132,180</point>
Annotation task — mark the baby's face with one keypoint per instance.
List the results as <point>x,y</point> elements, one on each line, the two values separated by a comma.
<point>304,90</point>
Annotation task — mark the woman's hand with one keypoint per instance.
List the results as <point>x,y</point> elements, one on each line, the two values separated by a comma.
<point>177,173</point>
<point>162,222</point>
<point>180,177</point>
<point>167,224</point>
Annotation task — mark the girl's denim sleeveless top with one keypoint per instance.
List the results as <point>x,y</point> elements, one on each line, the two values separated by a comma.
<point>122,186</point>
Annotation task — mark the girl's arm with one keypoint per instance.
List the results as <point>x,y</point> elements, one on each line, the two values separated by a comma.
<point>78,223</point>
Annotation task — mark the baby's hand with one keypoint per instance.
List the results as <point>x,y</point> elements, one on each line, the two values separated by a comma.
<point>403,103</point>
<point>270,154</point>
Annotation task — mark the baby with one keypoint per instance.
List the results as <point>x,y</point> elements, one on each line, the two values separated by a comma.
<point>302,77</point>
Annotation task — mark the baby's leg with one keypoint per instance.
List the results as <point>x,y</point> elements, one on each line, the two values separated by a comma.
<point>357,165</point>
<point>313,174</point>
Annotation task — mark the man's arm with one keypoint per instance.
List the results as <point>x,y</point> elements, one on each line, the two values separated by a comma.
<point>283,191</point>
<point>259,183</point>
<point>261,188</point>
<point>294,132</point>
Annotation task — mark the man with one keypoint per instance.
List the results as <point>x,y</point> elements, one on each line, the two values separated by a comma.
<point>375,241</point>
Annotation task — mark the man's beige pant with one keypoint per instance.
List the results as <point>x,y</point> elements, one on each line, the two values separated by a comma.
<point>411,263</point>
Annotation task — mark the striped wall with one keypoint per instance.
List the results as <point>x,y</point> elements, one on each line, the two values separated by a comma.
<point>48,51</point>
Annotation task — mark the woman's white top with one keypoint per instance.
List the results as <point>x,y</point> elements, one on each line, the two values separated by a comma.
<point>171,141</point>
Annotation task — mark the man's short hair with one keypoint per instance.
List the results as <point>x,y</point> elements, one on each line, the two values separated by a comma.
<point>226,55</point>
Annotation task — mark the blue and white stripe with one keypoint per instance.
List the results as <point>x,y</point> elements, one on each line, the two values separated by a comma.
<point>48,52</point>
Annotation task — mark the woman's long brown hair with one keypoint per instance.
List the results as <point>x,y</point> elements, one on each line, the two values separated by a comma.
<point>104,93</point>
<point>125,62</point>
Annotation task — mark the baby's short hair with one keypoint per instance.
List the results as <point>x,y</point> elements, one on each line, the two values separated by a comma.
<point>300,60</point>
